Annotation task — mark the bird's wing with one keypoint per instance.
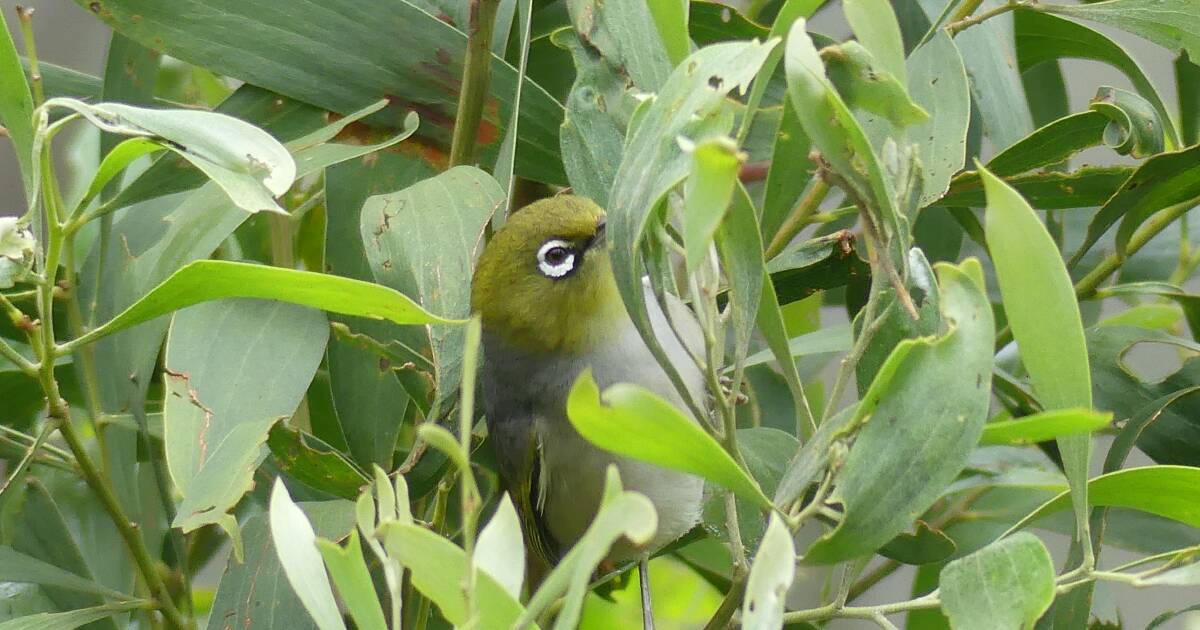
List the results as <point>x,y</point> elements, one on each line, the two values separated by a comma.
<point>518,454</point>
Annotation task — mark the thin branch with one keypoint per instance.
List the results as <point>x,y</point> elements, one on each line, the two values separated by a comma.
<point>475,79</point>
<point>959,26</point>
<point>800,216</point>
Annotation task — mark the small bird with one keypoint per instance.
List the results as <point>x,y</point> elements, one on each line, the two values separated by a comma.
<point>549,305</point>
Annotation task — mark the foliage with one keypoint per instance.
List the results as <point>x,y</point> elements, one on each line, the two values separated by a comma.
<point>244,323</point>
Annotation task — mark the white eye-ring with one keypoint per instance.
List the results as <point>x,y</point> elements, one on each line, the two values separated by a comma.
<point>556,258</point>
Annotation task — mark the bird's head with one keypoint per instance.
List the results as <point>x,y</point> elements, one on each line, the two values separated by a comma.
<point>544,282</point>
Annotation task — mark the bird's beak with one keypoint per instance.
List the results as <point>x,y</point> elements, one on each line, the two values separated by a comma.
<point>601,236</point>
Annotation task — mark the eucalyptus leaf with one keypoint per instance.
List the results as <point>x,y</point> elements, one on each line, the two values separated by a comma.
<point>1007,584</point>
<point>1041,37</point>
<point>246,162</point>
<point>257,592</point>
<point>920,418</point>
<point>295,54</point>
<point>937,82</point>
<point>18,567</point>
<point>312,462</point>
<point>16,107</point>
<point>1163,180</point>
<point>438,568</point>
<point>215,424</point>
<point>500,549</point>
<point>771,575</point>
<point>1039,301</point>
<point>1162,490</point>
<point>626,33</point>
<point>296,545</point>
<point>707,195</point>
<point>1087,187</point>
<point>349,572</point>
<point>1043,426</point>
<point>1172,24</point>
<point>69,619</point>
<point>422,241</point>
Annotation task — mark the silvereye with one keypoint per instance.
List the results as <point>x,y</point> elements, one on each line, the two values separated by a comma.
<point>549,305</point>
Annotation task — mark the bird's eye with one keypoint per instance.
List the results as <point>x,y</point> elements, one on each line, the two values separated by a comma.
<point>556,258</point>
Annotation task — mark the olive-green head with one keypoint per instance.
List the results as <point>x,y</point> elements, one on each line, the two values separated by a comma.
<point>544,282</point>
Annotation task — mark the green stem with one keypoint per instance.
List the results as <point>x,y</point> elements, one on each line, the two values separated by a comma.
<point>957,26</point>
<point>470,499</point>
<point>25,16</point>
<point>475,79</point>
<point>800,216</point>
<point>729,605</point>
<point>30,453</point>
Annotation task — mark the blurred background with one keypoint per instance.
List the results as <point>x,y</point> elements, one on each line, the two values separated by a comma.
<point>69,36</point>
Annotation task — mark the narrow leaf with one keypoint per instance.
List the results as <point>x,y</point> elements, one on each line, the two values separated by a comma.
<point>707,194</point>
<point>1043,426</point>
<point>353,580</point>
<point>770,578</point>
<point>296,545</point>
<point>1040,303</point>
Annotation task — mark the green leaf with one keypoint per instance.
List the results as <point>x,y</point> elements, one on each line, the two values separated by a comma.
<point>1172,24</point>
<point>843,145</point>
<point>208,280</point>
<point>1051,144</point>
<point>875,27</point>
<point>774,331</point>
<point>691,103</point>
<point>937,82</point>
<point>233,368</point>
<point>438,568</point>
<point>1039,301</point>
<point>788,175</point>
<point>626,33</point>
<point>1188,575</point>
<point>500,549</point>
<point>16,107</point>
<point>824,262</point>
<point>68,620</point>
<point>246,162</point>
<point>766,452</point>
<point>18,567</point>
<point>1161,181</point>
<point>256,592</point>
<point>1187,78</point>
<point>631,421</point>
<point>866,86</point>
<point>598,107</point>
<point>1086,187</point>
<point>1168,491</point>
<point>314,463</point>
<point>1134,127</point>
<point>923,414</point>
<point>116,161</point>
<point>344,40</point>
<point>1041,37</point>
<point>41,531</point>
<point>422,241</point>
<point>1008,584</point>
<point>622,514</point>
<point>707,194</point>
<point>1166,432</point>
<point>989,55</point>
<point>1044,426</point>
<point>296,546</point>
<point>771,576</point>
<point>282,117</point>
<point>368,398</point>
<point>740,250</point>
<point>353,580</point>
<point>827,340</point>
<point>925,546</point>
